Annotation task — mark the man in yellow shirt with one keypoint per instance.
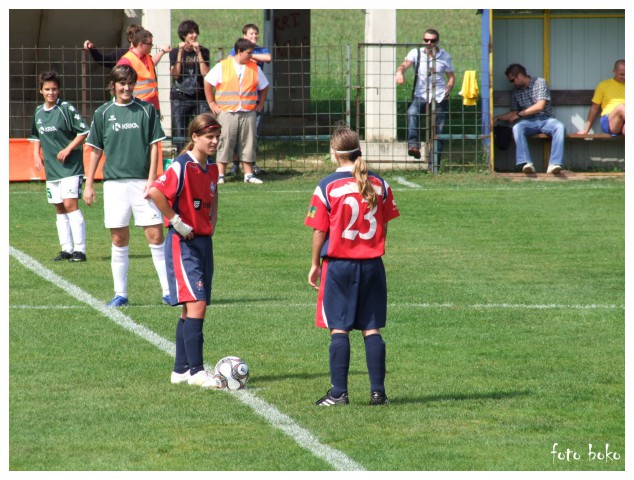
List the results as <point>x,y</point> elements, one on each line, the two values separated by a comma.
<point>609,97</point>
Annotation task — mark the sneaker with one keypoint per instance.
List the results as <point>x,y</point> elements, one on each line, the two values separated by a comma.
<point>117,301</point>
<point>257,170</point>
<point>204,379</point>
<point>554,169</point>
<point>63,256</point>
<point>414,152</point>
<point>235,170</point>
<point>221,179</point>
<point>166,300</point>
<point>177,378</point>
<point>328,400</point>
<point>528,168</point>
<point>252,179</point>
<point>77,257</point>
<point>378,398</point>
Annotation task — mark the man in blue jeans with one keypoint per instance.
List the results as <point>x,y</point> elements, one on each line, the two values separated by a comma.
<point>433,75</point>
<point>532,113</point>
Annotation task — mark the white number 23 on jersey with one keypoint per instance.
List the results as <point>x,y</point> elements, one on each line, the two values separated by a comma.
<point>350,232</point>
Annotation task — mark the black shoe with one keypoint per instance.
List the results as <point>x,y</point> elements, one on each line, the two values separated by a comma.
<point>257,170</point>
<point>63,256</point>
<point>235,169</point>
<point>414,152</point>
<point>78,257</point>
<point>328,400</point>
<point>378,398</point>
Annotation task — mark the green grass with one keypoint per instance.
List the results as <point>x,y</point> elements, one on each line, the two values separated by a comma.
<point>505,335</point>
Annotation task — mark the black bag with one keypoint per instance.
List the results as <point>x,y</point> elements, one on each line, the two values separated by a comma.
<point>502,135</point>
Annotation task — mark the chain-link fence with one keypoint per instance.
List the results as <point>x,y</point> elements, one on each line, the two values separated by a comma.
<point>313,88</point>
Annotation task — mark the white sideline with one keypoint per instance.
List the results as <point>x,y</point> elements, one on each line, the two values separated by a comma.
<point>338,460</point>
<point>407,183</point>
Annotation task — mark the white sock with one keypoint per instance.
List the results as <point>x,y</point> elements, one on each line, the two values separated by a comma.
<point>64,234</point>
<point>120,264</point>
<point>78,229</point>
<point>158,257</point>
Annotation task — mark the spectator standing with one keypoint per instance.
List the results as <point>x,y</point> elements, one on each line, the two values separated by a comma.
<point>609,98</point>
<point>433,81</point>
<point>139,58</point>
<point>531,113</point>
<point>57,134</point>
<point>349,212</point>
<point>261,55</point>
<point>236,90</point>
<point>110,59</point>
<point>188,66</point>
<point>187,195</point>
<point>128,131</point>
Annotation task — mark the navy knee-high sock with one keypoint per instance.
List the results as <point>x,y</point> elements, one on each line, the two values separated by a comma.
<point>375,360</point>
<point>193,338</point>
<point>180,358</point>
<point>339,363</point>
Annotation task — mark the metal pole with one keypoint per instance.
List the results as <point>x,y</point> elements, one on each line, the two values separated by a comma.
<point>348,82</point>
<point>432,133</point>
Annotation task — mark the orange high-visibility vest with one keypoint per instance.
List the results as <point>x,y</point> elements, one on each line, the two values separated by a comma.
<point>146,87</point>
<point>231,95</point>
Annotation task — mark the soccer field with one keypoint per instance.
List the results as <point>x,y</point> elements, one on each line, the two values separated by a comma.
<point>505,336</point>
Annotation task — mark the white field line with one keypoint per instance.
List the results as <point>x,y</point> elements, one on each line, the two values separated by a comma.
<point>475,306</point>
<point>335,458</point>
<point>402,181</point>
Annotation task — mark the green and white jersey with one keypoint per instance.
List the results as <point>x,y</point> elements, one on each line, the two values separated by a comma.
<point>125,133</point>
<point>55,129</point>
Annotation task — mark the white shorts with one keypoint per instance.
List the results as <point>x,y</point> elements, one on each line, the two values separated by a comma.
<point>58,190</point>
<point>123,198</point>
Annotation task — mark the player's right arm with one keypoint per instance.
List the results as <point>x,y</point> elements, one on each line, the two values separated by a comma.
<point>89,189</point>
<point>37,157</point>
<point>314,275</point>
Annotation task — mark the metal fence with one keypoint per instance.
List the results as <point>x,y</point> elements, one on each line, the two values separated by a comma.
<point>313,88</point>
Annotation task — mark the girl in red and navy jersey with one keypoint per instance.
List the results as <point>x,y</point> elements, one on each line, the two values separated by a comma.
<point>349,212</point>
<point>187,195</point>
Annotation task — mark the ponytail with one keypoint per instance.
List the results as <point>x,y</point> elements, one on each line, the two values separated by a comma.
<point>366,189</point>
<point>345,143</point>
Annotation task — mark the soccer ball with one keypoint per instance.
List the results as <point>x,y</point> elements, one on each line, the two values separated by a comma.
<point>232,372</point>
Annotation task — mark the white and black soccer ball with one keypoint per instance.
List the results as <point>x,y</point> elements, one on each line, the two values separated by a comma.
<point>233,373</point>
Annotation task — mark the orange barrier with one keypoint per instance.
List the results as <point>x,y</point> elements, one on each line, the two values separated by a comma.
<point>22,169</point>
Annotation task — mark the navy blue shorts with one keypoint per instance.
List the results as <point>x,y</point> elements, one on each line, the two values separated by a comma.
<point>352,294</point>
<point>190,268</point>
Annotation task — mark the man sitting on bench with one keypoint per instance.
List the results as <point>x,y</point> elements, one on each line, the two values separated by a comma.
<point>532,113</point>
<point>609,97</point>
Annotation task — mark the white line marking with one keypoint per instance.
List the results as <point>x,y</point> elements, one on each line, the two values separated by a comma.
<point>551,306</point>
<point>277,419</point>
<point>402,181</point>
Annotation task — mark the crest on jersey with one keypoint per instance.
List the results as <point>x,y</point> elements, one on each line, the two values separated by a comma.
<point>312,211</point>
<point>197,203</point>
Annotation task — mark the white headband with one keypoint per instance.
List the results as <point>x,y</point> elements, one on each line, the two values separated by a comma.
<point>347,151</point>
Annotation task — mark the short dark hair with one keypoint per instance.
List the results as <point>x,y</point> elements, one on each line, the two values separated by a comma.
<point>431,31</point>
<point>250,26</point>
<point>515,69</point>
<point>140,37</point>
<point>187,26</point>
<point>122,73</point>
<point>242,44</point>
<point>49,77</point>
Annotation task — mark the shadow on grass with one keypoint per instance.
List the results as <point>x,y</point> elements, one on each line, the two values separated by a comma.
<point>303,376</point>
<point>458,397</point>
